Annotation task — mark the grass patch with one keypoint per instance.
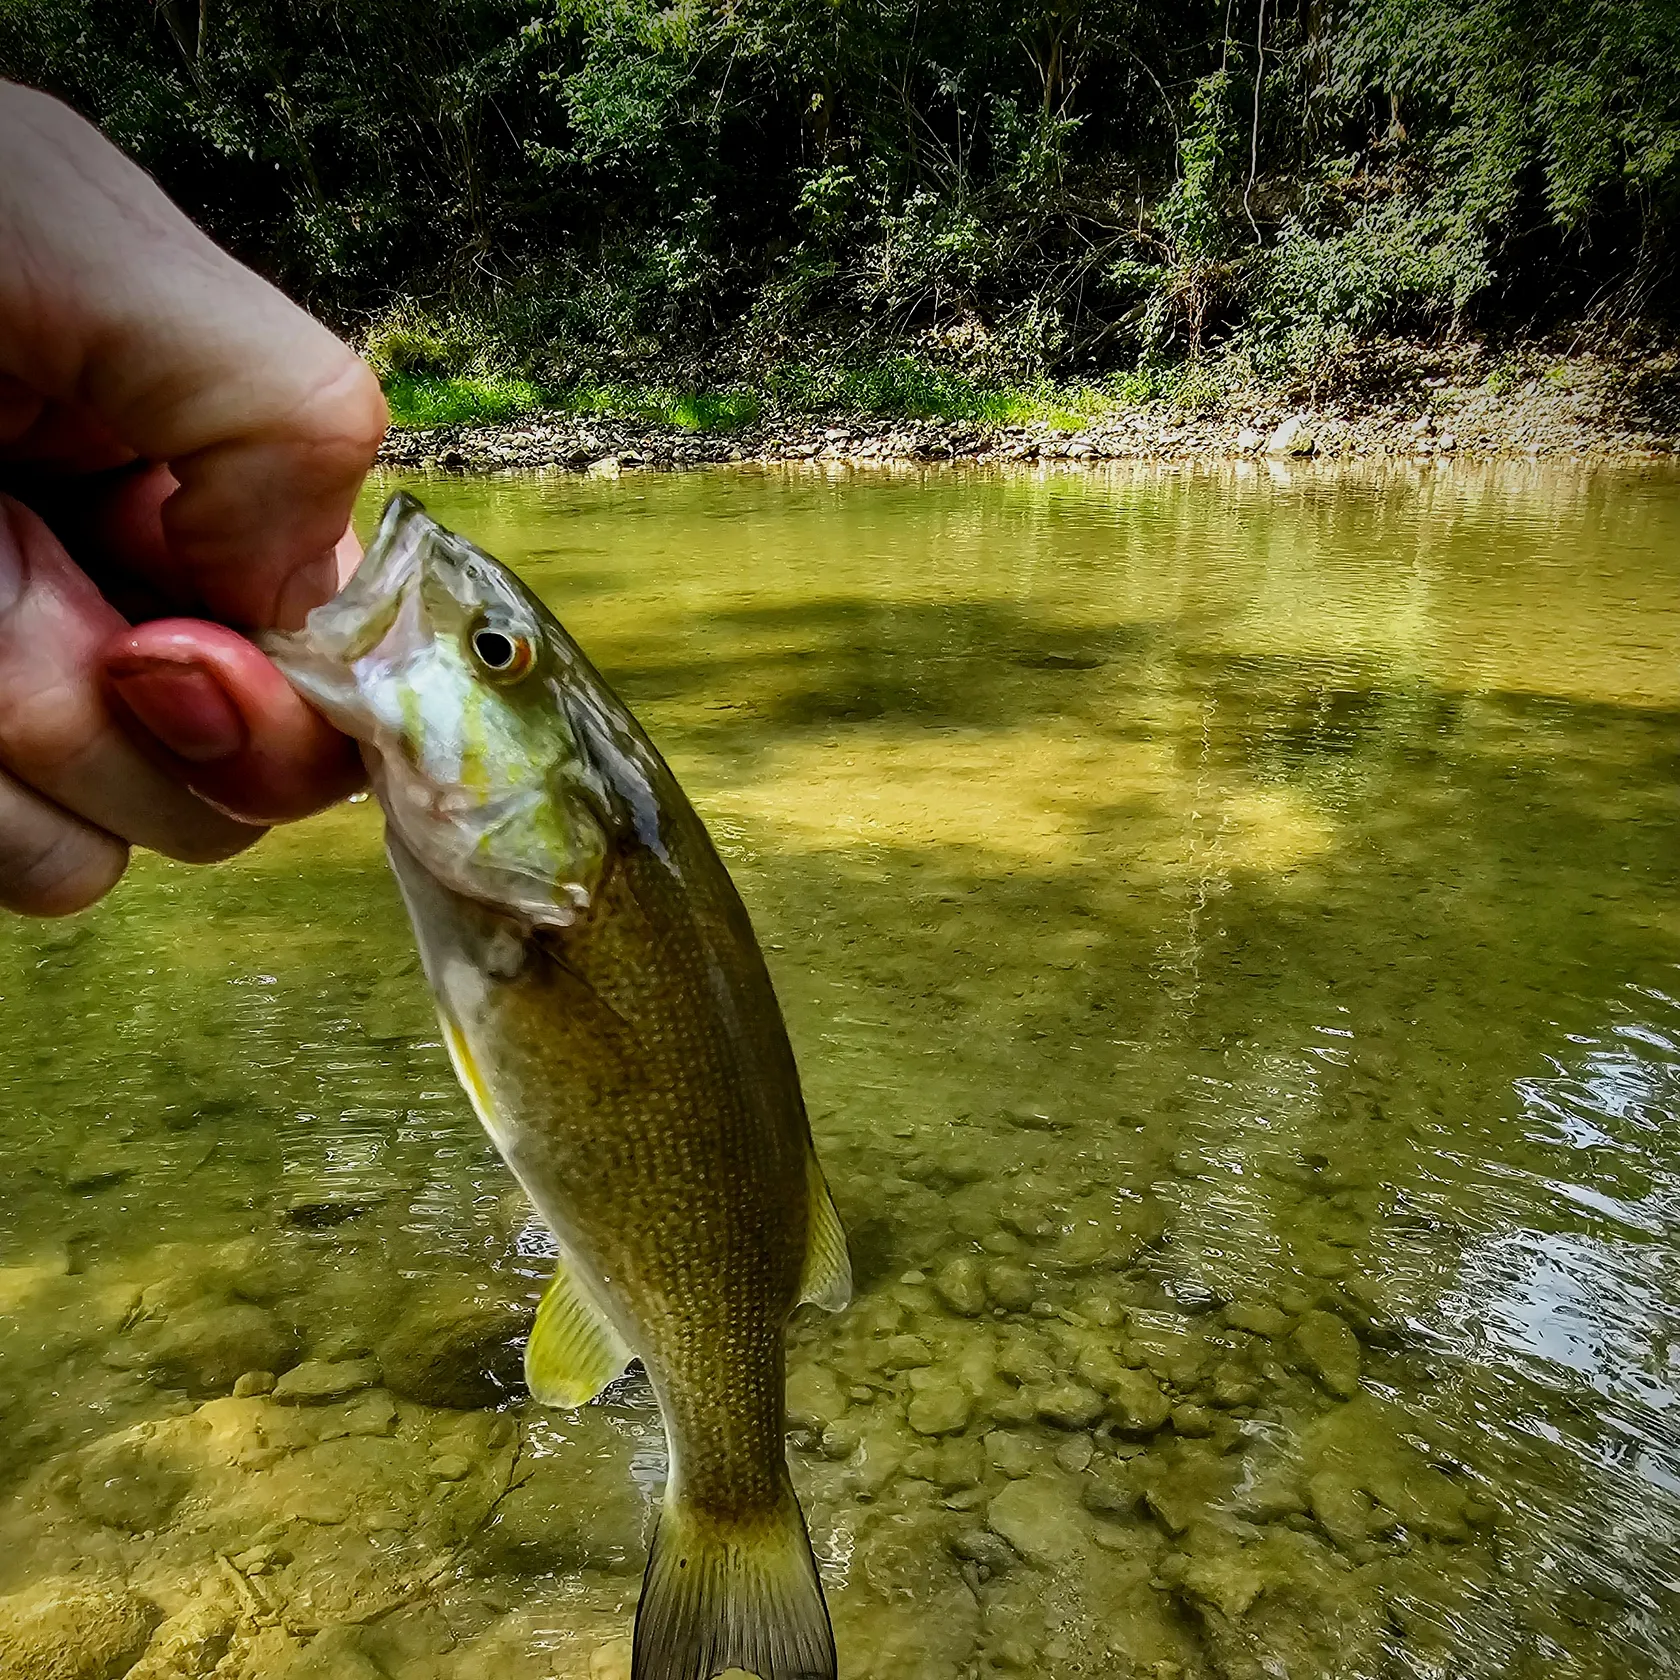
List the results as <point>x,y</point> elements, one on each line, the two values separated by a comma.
<point>418,400</point>
<point>903,388</point>
<point>422,400</point>
<point>910,389</point>
<point>692,411</point>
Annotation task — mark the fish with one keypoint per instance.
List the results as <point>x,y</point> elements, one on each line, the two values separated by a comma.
<point>610,1017</point>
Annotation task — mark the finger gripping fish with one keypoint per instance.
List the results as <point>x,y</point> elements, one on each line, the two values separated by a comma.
<point>610,1016</point>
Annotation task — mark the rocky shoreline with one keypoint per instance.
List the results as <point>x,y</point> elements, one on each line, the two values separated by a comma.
<point>1435,420</point>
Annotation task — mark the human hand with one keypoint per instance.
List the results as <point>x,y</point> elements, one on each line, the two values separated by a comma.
<point>176,438</point>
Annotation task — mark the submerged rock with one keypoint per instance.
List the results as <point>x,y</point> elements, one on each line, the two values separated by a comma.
<point>335,1653</point>
<point>456,1344</point>
<point>1037,1518</point>
<point>961,1284</point>
<point>1258,1317</point>
<point>1109,1490</point>
<point>904,1353</point>
<point>1011,1454</point>
<point>1070,1406</point>
<point>1009,1286</point>
<point>188,1645</point>
<point>206,1350</point>
<point>578,1509</point>
<point>1136,1402</point>
<point>1224,1578</point>
<point>815,1398</point>
<point>939,1403</point>
<point>1330,1351</point>
<point>125,1485</point>
<point>317,1380</point>
<point>66,1628</point>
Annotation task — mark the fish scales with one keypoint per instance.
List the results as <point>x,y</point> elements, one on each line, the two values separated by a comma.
<point>664,1166</point>
<point>609,1013</point>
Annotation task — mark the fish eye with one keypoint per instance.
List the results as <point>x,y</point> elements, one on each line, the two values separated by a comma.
<point>501,654</point>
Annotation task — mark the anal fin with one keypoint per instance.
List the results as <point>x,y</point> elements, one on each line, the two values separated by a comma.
<point>827,1278</point>
<point>574,1351</point>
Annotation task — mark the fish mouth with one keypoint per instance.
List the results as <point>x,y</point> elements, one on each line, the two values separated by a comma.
<point>319,659</point>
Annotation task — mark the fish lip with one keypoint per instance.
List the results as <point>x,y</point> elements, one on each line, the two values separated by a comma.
<point>342,630</point>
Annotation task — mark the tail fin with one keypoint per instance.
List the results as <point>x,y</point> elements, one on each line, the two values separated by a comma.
<point>739,1595</point>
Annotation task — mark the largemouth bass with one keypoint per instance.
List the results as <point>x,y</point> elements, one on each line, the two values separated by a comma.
<point>612,1021</point>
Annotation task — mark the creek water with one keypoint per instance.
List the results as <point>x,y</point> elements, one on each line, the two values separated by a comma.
<point>1229,925</point>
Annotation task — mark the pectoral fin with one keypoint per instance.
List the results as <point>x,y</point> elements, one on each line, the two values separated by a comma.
<point>827,1278</point>
<point>574,1351</point>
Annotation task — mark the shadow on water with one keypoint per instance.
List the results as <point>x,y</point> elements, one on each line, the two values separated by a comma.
<point>1245,1070</point>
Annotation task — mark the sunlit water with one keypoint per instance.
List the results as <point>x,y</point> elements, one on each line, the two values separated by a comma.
<point>1229,929</point>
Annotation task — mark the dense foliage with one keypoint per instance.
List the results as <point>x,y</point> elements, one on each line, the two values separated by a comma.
<point>1067,184</point>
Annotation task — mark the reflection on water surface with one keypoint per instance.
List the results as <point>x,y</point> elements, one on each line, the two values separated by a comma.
<point>1229,928</point>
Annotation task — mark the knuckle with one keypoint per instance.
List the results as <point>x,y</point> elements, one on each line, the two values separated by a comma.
<point>348,413</point>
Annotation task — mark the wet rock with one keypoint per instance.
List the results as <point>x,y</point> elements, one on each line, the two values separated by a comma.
<point>335,1653</point>
<point>1192,1420</point>
<point>1136,1403</point>
<point>125,1484</point>
<point>1037,1517</point>
<point>1223,1578</point>
<point>1109,1490</point>
<point>188,1645</point>
<point>815,1398</point>
<point>67,1628</point>
<point>1097,1365</point>
<point>1248,440</point>
<point>1022,1358</point>
<point>253,1383</point>
<point>1009,1286</point>
<point>905,1353</point>
<point>1330,1350</point>
<point>939,1403</point>
<point>1013,1409</point>
<point>1343,1509</point>
<point>961,1284</point>
<point>1230,1386</point>
<point>576,1509</point>
<point>369,1416</point>
<point>1074,1455</point>
<point>316,1380</point>
<point>1010,1454</point>
<point>457,1344</point>
<point>980,1545</point>
<point>1070,1406</point>
<point>206,1350</point>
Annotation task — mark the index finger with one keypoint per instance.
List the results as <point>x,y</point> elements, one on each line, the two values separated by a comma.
<point>112,302</point>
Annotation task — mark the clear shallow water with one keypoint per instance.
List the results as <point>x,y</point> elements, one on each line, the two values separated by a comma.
<point>1229,928</point>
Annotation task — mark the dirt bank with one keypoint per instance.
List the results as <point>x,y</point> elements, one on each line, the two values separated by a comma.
<point>1588,407</point>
